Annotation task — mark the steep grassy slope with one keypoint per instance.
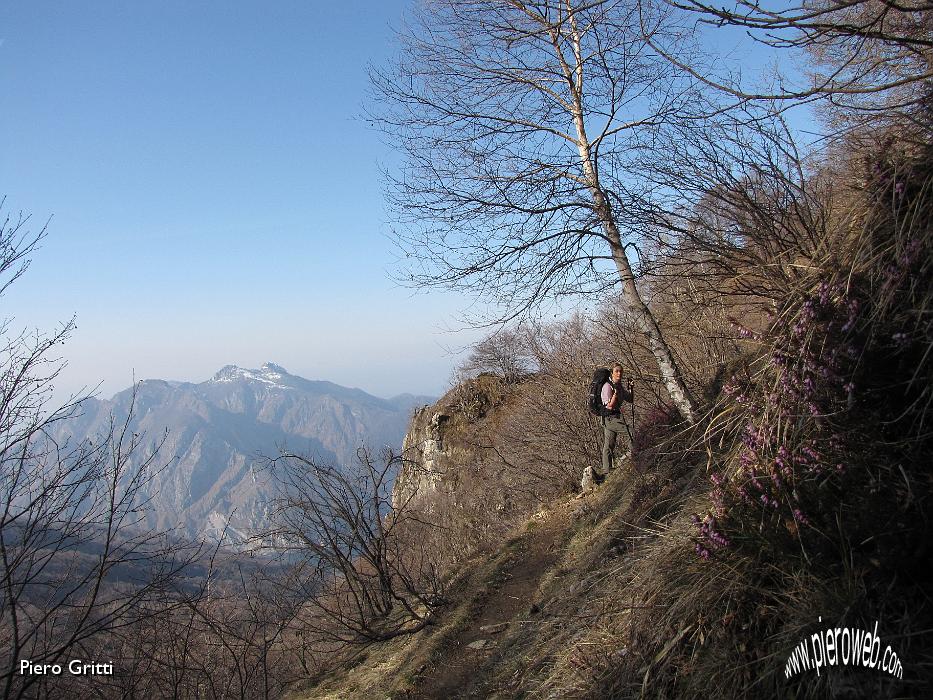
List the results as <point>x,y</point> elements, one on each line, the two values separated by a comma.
<point>740,557</point>
<point>605,596</point>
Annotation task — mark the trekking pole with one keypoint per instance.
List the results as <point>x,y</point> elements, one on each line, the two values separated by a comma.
<point>631,437</point>
<point>633,407</point>
<point>630,431</point>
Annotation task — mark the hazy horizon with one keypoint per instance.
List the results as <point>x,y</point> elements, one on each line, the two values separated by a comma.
<point>200,380</point>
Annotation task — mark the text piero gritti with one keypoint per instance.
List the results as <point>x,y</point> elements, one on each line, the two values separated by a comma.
<point>75,667</point>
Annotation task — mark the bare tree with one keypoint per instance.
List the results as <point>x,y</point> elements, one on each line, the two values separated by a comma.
<point>505,353</point>
<point>76,561</point>
<point>522,124</point>
<point>242,647</point>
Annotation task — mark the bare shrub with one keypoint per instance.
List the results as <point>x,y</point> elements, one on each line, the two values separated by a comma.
<point>340,531</point>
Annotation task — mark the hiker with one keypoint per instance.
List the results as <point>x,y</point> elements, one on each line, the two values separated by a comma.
<point>612,395</point>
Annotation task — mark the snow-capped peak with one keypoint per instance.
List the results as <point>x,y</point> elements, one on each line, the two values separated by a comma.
<point>272,369</point>
<point>269,373</point>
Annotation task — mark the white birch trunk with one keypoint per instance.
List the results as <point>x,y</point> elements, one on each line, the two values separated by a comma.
<point>670,373</point>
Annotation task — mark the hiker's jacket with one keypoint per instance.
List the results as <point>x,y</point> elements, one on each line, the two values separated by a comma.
<point>624,395</point>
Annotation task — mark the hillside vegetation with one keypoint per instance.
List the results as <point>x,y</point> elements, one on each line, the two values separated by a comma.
<point>799,503</point>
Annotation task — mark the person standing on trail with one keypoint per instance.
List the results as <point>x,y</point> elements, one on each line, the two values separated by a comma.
<point>612,395</point>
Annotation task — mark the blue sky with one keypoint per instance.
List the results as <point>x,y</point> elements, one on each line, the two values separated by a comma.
<point>215,196</point>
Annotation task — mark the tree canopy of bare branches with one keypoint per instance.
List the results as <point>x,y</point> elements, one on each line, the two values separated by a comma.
<point>504,353</point>
<point>527,130</point>
<point>874,58</point>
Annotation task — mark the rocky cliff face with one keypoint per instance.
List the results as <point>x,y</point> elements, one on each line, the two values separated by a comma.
<point>426,461</point>
<point>446,448</point>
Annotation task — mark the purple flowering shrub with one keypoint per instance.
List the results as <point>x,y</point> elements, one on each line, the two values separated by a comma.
<point>842,383</point>
<point>786,428</point>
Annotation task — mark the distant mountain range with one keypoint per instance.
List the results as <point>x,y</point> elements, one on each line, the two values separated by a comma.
<point>220,430</point>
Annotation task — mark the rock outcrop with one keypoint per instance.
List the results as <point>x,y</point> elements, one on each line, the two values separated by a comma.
<point>446,449</point>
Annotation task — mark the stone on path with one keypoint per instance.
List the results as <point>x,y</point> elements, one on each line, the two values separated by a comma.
<point>481,644</point>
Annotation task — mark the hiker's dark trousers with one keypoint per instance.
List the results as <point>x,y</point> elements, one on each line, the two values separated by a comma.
<point>613,428</point>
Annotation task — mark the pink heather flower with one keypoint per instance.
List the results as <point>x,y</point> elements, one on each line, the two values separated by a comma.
<point>783,456</point>
<point>718,539</point>
<point>853,316</point>
<point>824,294</point>
<point>910,253</point>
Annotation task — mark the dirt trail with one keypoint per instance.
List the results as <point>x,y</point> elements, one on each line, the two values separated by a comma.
<point>459,671</point>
